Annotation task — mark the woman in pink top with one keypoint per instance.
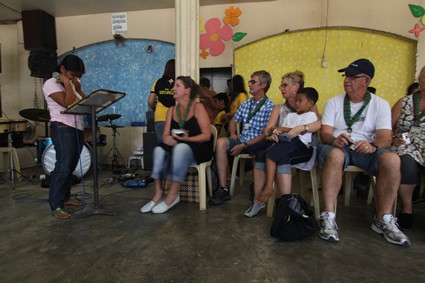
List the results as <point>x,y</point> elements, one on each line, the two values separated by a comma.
<point>67,132</point>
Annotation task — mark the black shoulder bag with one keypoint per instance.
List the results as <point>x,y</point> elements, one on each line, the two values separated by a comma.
<point>294,220</point>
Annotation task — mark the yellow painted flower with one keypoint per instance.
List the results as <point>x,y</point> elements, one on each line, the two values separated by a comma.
<point>232,15</point>
<point>201,25</point>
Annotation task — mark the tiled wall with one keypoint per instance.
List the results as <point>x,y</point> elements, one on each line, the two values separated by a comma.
<point>127,68</point>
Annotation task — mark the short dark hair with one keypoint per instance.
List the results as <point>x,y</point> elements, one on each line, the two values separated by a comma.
<point>310,92</point>
<point>222,96</point>
<point>205,82</point>
<point>412,88</point>
<point>73,63</point>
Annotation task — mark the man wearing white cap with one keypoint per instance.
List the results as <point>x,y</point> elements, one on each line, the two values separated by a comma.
<point>356,130</point>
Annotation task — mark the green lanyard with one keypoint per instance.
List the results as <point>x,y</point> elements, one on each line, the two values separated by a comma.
<point>347,110</point>
<point>261,103</point>
<point>182,121</point>
<point>417,112</point>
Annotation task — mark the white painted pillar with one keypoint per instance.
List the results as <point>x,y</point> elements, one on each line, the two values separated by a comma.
<point>187,38</point>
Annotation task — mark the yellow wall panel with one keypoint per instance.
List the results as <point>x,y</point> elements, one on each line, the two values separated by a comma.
<point>393,57</point>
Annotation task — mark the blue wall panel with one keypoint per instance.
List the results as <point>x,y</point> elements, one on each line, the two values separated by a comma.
<point>127,68</point>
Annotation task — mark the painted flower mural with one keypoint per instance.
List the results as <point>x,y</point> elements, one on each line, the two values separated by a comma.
<point>213,34</point>
<point>417,12</point>
<point>232,15</point>
<point>417,30</point>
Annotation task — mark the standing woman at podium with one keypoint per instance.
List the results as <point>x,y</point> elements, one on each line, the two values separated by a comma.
<point>67,131</point>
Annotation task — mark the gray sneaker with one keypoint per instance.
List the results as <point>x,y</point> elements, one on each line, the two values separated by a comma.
<point>328,229</point>
<point>390,231</point>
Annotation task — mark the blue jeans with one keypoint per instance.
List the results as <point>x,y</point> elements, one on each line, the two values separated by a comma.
<point>174,163</point>
<point>159,130</point>
<point>68,144</point>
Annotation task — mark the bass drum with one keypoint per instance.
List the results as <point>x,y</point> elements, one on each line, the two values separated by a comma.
<point>49,161</point>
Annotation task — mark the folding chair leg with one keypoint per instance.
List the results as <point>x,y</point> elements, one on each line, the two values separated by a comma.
<point>233,176</point>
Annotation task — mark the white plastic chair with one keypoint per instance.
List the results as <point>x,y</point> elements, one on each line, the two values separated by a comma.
<point>204,174</point>
<point>240,158</point>
<point>137,155</point>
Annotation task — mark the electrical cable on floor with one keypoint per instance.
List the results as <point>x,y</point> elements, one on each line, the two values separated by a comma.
<point>23,198</point>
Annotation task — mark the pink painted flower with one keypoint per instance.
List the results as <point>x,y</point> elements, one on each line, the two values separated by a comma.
<point>417,30</point>
<point>214,36</point>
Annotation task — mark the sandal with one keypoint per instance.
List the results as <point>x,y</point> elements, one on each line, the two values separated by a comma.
<point>74,202</point>
<point>59,213</point>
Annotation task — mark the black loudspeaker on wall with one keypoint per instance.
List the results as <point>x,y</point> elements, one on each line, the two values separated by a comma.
<point>39,30</point>
<point>42,63</point>
<point>40,39</point>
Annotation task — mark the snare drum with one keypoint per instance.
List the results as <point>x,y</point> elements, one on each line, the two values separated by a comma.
<point>42,144</point>
<point>18,125</point>
<point>5,125</point>
<point>49,161</point>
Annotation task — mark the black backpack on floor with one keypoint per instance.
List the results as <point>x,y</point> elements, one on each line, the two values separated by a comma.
<point>294,220</point>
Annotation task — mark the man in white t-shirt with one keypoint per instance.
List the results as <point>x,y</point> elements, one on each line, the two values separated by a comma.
<point>356,130</point>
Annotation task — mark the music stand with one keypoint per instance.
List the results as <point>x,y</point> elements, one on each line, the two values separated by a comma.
<point>92,104</point>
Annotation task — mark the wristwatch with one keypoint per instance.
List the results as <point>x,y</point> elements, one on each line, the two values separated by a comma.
<point>375,146</point>
<point>306,128</point>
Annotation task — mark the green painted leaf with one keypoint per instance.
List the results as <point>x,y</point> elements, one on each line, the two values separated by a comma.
<point>238,36</point>
<point>416,10</point>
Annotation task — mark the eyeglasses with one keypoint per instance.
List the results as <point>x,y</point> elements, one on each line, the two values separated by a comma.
<point>351,77</point>
<point>284,85</point>
<point>252,81</point>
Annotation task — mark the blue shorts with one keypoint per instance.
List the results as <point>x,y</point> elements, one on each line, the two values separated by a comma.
<point>231,143</point>
<point>280,169</point>
<point>368,162</point>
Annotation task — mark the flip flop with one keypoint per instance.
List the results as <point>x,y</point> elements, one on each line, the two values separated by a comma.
<point>59,213</point>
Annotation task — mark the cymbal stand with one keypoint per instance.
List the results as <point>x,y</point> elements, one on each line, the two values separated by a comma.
<point>11,160</point>
<point>116,155</point>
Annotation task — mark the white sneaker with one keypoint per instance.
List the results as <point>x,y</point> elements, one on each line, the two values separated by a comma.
<point>328,229</point>
<point>390,231</point>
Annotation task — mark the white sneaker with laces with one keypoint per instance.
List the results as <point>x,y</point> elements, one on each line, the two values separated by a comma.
<point>390,231</point>
<point>328,228</point>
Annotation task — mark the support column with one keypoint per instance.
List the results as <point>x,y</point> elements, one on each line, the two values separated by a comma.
<point>187,38</point>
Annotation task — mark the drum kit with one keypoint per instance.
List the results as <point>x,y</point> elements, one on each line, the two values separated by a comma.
<point>46,154</point>
<point>10,130</point>
<point>114,153</point>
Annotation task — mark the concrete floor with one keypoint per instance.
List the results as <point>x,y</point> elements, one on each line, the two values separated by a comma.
<point>188,245</point>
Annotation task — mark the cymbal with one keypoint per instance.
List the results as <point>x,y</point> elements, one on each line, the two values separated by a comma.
<point>108,117</point>
<point>113,126</point>
<point>34,114</point>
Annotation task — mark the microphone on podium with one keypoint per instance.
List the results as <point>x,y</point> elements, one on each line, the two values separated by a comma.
<point>56,75</point>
